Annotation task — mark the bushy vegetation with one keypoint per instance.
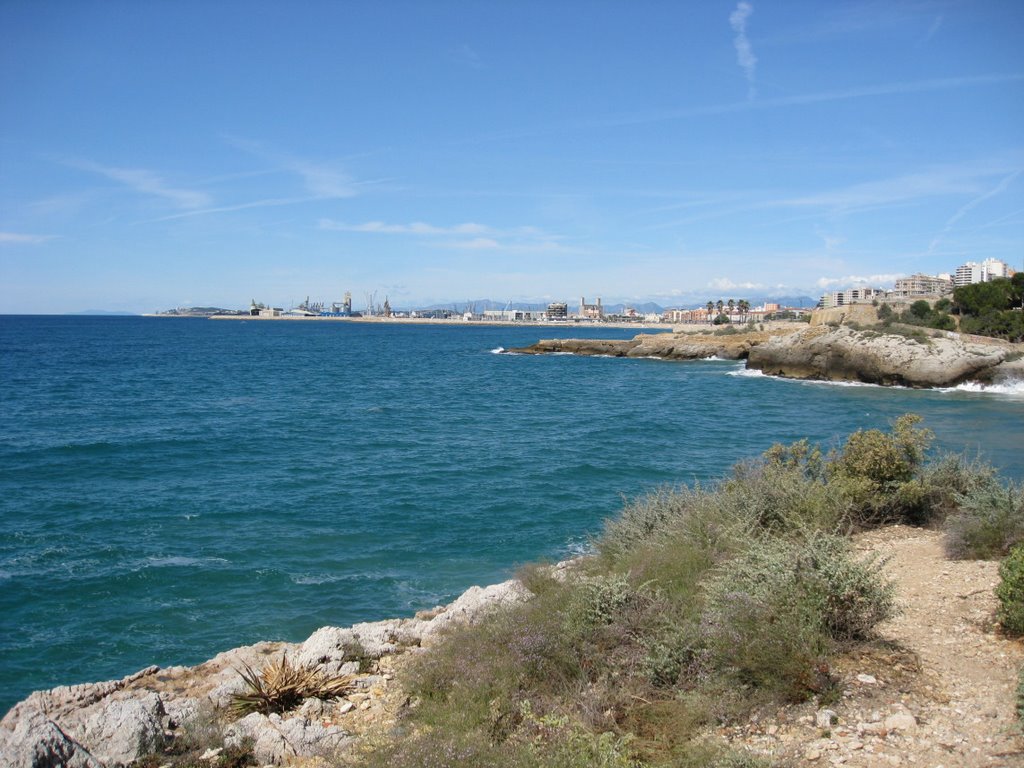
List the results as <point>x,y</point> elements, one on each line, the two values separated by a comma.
<point>698,604</point>
<point>989,522</point>
<point>992,308</point>
<point>920,313</point>
<point>1011,592</point>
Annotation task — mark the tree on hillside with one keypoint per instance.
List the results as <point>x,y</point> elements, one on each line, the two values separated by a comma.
<point>920,309</point>
<point>1017,281</point>
<point>981,298</point>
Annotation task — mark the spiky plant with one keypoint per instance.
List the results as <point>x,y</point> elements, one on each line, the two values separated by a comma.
<point>281,686</point>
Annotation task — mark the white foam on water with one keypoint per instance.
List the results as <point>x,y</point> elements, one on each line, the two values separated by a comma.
<point>1006,388</point>
<point>497,350</point>
<point>177,561</point>
<point>313,578</point>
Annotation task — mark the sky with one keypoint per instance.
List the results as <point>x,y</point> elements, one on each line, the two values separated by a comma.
<point>207,152</point>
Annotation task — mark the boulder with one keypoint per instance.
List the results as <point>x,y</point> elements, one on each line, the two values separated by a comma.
<point>124,730</point>
<point>34,741</point>
<point>275,740</point>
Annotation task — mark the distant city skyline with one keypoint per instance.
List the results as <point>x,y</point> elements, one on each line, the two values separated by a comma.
<point>158,155</point>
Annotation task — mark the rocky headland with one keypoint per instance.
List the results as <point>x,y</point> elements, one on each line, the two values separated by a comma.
<point>826,352</point>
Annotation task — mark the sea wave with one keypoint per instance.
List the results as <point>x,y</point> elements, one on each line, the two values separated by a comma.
<point>1008,388</point>
<point>497,350</point>
<point>313,578</point>
<point>181,561</point>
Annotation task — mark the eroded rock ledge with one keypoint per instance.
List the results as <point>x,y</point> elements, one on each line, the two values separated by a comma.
<point>827,353</point>
<point>668,346</point>
<point>112,724</point>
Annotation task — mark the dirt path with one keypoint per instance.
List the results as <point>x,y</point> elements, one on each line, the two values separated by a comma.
<point>938,690</point>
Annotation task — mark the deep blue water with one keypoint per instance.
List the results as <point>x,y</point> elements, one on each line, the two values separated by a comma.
<point>170,488</point>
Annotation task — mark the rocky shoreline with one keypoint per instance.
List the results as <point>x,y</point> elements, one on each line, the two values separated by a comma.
<point>114,723</point>
<point>824,353</point>
<point>937,687</point>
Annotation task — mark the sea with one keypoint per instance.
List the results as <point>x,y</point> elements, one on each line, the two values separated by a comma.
<point>171,488</point>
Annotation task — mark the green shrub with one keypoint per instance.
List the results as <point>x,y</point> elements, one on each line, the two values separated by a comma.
<point>948,478</point>
<point>1011,592</point>
<point>773,495</point>
<point>773,612</point>
<point>875,474</point>
<point>990,522</point>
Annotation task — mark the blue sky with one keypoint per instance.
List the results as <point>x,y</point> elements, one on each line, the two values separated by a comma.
<point>156,154</point>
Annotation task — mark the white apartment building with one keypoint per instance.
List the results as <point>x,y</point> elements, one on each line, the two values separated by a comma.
<point>973,272</point>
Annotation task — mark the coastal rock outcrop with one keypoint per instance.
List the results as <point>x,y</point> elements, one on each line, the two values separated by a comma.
<point>112,724</point>
<point>827,352</point>
<point>847,354</point>
<point>668,346</point>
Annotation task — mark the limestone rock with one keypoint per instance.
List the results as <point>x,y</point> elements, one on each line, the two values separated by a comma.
<point>124,730</point>
<point>276,740</point>
<point>901,721</point>
<point>473,604</point>
<point>334,647</point>
<point>845,354</point>
<point>35,741</point>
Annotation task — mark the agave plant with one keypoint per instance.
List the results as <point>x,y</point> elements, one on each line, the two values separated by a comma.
<point>281,686</point>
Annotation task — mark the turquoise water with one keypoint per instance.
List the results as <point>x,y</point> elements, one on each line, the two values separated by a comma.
<point>170,488</point>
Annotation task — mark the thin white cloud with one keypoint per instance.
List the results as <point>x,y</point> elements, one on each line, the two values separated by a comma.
<point>147,182</point>
<point>20,238</point>
<point>970,205</point>
<point>466,55</point>
<point>855,280</point>
<point>936,23</point>
<point>744,52</point>
<point>322,180</point>
<point>476,244</point>
<point>807,99</point>
<point>415,228</point>
<point>898,189</point>
<point>725,284</point>
<point>268,203</point>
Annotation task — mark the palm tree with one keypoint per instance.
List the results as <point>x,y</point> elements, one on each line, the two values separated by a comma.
<point>711,308</point>
<point>732,306</point>
<point>744,307</point>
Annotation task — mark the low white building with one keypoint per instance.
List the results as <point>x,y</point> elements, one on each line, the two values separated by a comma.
<point>850,296</point>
